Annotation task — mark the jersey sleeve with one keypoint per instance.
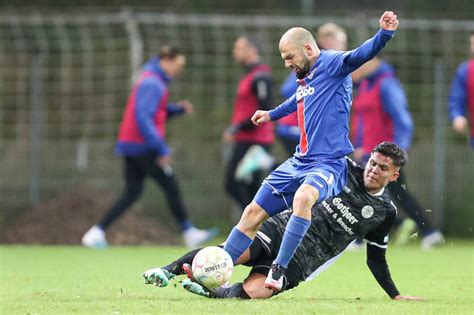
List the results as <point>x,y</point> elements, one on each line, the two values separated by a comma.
<point>174,110</point>
<point>262,89</point>
<point>348,61</point>
<point>458,93</point>
<point>262,86</point>
<point>148,96</point>
<point>287,107</point>
<point>394,102</point>
<point>376,258</point>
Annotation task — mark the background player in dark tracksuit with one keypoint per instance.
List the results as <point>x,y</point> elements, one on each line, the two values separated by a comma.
<point>362,209</point>
<point>254,92</point>
<point>141,142</point>
<point>380,113</point>
<point>328,36</point>
<point>461,96</point>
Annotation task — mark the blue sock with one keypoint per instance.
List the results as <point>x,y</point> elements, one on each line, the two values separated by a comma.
<point>185,225</point>
<point>295,231</point>
<point>237,243</point>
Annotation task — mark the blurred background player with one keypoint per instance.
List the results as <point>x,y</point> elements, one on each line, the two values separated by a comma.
<point>328,36</point>
<point>380,113</point>
<point>333,227</point>
<point>141,143</point>
<point>461,97</point>
<point>254,92</point>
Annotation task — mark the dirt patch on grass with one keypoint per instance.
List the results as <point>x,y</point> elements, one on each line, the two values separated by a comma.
<point>65,218</point>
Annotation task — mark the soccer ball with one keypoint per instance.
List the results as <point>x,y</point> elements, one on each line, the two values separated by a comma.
<point>212,267</point>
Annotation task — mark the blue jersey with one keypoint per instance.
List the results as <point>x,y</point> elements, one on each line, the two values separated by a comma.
<point>324,97</point>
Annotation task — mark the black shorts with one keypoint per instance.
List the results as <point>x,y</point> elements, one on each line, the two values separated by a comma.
<point>264,251</point>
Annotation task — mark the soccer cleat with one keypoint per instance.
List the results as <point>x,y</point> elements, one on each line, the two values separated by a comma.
<point>431,240</point>
<point>195,288</point>
<point>274,279</point>
<point>95,238</point>
<point>405,232</point>
<point>188,271</point>
<point>157,276</point>
<point>194,237</point>
<point>255,159</point>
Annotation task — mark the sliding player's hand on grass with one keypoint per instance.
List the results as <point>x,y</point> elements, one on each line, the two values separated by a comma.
<point>407,298</point>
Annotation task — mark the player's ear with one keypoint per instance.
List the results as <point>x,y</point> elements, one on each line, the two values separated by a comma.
<point>308,50</point>
<point>394,176</point>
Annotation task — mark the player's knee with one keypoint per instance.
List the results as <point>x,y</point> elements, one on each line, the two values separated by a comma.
<point>134,192</point>
<point>305,197</point>
<point>252,218</point>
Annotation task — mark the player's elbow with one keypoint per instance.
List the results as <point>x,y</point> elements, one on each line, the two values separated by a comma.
<point>373,267</point>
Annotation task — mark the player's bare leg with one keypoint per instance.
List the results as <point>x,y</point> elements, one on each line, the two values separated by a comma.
<point>251,220</point>
<point>305,197</point>
<point>254,287</point>
<point>243,234</point>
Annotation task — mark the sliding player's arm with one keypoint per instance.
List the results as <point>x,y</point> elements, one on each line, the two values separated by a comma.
<point>376,248</point>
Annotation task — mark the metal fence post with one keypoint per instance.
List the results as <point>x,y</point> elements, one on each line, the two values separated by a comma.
<point>135,41</point>
<point>36,117</point>
<point>439,143</point>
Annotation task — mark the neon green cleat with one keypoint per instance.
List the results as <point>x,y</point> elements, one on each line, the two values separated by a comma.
<point>157,276</point>
<point>406,232</point>
<point>195,288</point>
<point>255,159</point>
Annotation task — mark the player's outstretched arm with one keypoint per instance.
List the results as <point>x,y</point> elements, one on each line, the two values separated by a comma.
<point>377,264</point>
<point>353,59</point>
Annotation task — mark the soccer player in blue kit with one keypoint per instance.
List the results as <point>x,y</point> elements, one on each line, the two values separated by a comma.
<point>318,169</point>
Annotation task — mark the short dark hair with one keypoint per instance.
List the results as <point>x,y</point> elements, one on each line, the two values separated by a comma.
<point>254,42</point>
<point>169,52</point>
<point>393,151</point>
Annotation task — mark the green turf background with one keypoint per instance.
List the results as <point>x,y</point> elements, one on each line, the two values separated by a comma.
<point>70,280</point>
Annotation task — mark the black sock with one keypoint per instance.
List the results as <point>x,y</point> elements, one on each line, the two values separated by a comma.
<point>176,266</point>
<point>234,291</point>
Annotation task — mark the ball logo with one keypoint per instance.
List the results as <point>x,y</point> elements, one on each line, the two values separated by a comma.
<point>215,267</point>
<point>367,211</point>
<point>304,92</point>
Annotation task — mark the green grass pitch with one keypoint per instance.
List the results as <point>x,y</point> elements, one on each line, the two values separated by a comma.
<point>70,280</point>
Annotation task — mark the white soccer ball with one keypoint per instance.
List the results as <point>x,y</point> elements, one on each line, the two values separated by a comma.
<point>212,267</point>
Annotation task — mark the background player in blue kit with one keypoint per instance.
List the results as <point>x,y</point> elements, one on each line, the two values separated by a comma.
<point>461,96</point>
<point>318,169</point>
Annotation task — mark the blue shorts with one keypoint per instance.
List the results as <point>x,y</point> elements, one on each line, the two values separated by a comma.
<point>276,194</point>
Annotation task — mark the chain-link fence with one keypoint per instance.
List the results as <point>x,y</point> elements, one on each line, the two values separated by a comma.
<point>65,79</point>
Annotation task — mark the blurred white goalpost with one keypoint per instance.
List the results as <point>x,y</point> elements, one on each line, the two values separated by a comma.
<point>65,79</point>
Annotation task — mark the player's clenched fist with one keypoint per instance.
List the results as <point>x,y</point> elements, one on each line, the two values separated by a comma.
<point>260,117</point>
<point>388,21</point>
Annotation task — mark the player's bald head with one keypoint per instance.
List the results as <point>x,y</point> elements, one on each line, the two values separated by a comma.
<point>297,36</point>
<point>299,50</point>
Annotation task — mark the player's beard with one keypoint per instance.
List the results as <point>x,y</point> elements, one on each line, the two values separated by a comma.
<point>300,74</point>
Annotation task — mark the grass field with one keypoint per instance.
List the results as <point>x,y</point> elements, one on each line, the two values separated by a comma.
<point>65,280</point>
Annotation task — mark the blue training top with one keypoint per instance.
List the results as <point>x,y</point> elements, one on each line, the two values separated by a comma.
<point>324,98</point>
